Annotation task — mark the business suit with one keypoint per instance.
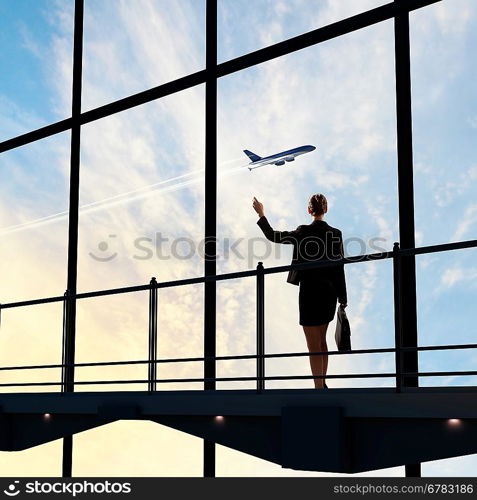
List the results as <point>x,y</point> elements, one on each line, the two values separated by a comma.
<point>320,288</point>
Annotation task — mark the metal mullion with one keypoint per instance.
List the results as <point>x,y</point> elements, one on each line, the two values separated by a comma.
<point>406,191</point>
<point>210,247</point>
<point>408,299</point>
<point>73,219</point>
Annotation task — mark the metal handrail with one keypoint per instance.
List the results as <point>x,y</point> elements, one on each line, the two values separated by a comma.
<point>247,379</point>
<point>250,272</point>
<point>379,350</point>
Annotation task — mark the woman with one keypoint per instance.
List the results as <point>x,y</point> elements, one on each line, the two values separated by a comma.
<point>320,288</point>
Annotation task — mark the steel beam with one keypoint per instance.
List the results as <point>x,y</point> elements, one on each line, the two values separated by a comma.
<point>210,247</point>
<point>73,218</point>
<point>407,276</point>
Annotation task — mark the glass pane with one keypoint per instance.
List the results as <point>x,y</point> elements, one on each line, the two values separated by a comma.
<point>446,296</point>
<point>31,336</point>
<point>142,194</point>
<point>444,124</point>
<point>34,184</point>
<point>36,40</point>
<point>270,21</point>
<point>115,328</point>
<point>180,335</point>
<point>445,121</point>
<point>33,254</point>
<point>371,317</point>
<point>236,331</point>
<point>133,46</point>
<point>109,329</point>
<point>339,98</point>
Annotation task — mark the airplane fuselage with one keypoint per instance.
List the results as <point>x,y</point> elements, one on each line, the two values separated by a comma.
<point>281,158</point>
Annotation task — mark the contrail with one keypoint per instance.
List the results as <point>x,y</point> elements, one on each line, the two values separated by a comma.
<point>87,206</point>
<point>164,186</point>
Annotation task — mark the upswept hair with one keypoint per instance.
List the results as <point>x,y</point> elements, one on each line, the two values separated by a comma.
<point>318,204</point>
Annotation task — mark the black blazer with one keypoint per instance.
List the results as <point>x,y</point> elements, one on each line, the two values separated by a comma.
<point>315,241</point>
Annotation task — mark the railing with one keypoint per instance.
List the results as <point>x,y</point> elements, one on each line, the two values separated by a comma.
<point>396,255</point>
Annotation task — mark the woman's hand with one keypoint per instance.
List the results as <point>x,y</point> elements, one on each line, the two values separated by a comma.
<point>258,207</point>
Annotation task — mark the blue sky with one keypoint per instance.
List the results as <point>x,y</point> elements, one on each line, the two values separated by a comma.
<point>25,38</point>
<point>338,96</point>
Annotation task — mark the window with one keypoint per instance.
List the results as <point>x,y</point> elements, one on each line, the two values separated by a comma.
<point>155,108</point>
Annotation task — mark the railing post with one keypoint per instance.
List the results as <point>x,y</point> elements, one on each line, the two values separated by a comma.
<point>260,327</point>
<point>64,343</point>
<point>152,376</point>
<point>397,314</point>
<point>68,355</point>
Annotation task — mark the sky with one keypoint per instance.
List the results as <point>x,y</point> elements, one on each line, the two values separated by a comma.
<point>142,199</point>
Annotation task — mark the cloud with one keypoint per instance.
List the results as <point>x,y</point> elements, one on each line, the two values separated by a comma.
<point>472,120</point>
<point>439,33</point>
<point>454,275</point>
<point>28,41</point>
<point>466,223</point>
<point>16,120</point>
<point>451,20</point>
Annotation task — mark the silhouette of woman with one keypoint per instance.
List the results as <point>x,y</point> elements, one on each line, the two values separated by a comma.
<point>320,288</point>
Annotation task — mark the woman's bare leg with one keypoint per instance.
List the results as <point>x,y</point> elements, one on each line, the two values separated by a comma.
<point>324,347</point>
<point>316,340</point>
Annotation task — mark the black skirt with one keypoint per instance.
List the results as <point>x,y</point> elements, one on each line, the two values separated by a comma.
<point>317,302</point>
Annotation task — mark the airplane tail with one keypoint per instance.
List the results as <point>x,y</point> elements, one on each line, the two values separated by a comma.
<point>251,155</point>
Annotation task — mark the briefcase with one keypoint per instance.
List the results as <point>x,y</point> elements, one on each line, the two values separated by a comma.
<point>343,331</point>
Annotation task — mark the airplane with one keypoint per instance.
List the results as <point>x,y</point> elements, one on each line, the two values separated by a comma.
<point>277,159</point>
